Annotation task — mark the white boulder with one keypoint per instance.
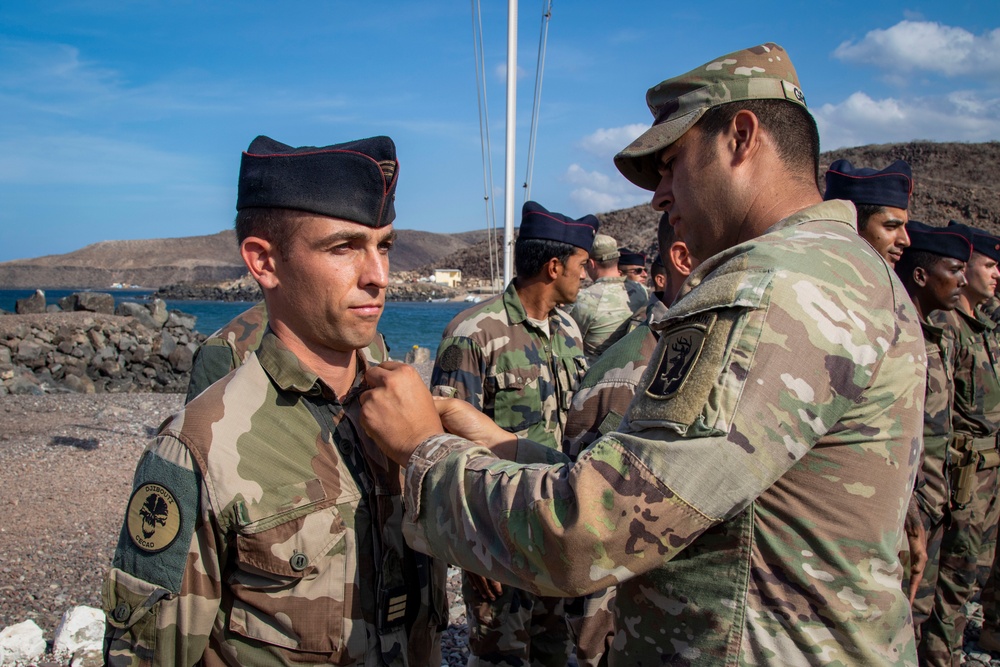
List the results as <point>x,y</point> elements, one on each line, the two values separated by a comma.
<point>81,629</point>
<point>22,642</point>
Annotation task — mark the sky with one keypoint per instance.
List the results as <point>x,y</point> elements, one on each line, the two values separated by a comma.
<point>126,119</point>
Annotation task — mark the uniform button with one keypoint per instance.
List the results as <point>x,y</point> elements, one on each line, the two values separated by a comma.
<point>299,562</point>
<point>121,612</point>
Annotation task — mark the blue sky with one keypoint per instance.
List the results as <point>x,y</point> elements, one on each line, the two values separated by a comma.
<point>126,119</point>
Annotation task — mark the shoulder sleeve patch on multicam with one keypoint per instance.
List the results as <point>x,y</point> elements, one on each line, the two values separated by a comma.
<point>160,521</point>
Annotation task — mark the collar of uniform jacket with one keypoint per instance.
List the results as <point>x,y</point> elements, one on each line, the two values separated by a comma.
<point>290,374</point>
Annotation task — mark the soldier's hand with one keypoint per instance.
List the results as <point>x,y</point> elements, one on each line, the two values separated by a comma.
<point>487,588</point>
<point>916,538</point>
<point>398,411</point>
<point>462,419</point>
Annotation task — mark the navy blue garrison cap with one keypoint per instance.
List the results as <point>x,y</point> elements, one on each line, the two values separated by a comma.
<point>983,243</point>
<point>353,181</point>
<point>890,187</point>
<point>942,241</point>
<point>629,257</point>
<point>539,223</point>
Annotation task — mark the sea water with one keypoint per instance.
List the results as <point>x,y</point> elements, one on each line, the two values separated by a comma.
<point>404,324</point>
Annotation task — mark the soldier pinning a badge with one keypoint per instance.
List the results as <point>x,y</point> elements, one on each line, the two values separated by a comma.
<point>265,526</point>
<point>784,401</point>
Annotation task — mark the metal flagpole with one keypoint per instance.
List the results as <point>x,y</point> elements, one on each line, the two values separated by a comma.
<point>508,217</point>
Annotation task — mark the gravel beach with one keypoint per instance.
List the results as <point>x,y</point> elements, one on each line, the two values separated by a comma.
<point>67,463</point>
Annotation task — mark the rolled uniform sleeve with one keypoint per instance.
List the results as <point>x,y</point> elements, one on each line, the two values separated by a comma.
<point>162,594</point>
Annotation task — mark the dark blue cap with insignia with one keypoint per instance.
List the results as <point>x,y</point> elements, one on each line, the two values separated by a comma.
<point>891,186</point>
<point>983,243</point>
<point>539,223</point>
<point>354,181</point>
<point>941,241</point>
<point>629,257</point>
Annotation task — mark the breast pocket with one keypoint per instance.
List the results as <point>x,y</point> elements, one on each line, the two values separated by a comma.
<point>517,403</point>
<point>571,372</point>
<point>294,580</point>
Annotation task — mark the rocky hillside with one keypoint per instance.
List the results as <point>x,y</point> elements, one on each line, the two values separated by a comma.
<point>952,181</point>
<point>194,259</point>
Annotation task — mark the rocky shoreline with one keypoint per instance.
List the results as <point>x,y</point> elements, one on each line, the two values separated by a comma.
<point>88,346</point>
<point>402,288</point>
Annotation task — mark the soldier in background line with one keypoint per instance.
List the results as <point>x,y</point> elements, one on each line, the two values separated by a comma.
<point>881,199</point>
<point>973,453</point>
<point>933,271</point>
<point>783,404</point>
<point>265,526</point>
<point>518,358</point>
<point>632,265</point>
<point>602,310</point>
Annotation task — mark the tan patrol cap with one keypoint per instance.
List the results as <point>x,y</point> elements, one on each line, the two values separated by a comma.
<point>605,248</point>
<point>762,72</point>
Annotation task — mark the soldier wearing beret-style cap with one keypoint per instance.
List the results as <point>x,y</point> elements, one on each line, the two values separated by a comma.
<point>969,536</point>
<point>881,199</point>
<point>518,358</point>
<point>782,402</point>
<point>265,525</point>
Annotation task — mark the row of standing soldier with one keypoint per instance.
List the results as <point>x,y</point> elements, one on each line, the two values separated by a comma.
<point>791,343</point>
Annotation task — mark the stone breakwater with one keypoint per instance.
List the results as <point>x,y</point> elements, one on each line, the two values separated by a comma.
<point>86,345</point>
<point>247,290</point>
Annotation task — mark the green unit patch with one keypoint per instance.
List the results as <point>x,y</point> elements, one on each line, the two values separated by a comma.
<point>159,523</point>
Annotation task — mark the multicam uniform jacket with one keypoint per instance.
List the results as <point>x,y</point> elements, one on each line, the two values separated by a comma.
<point>493,357</point>
<point>752,502</point>
<point>602,312</point>
<point>609,385</point>
<point>933,492</point>
<point>227,349</point>
<point>264,529</point>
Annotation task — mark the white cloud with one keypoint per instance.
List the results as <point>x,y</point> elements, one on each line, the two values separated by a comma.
<point>597,192</point>
<point>605,142</point>
<point>922,45</point>
<point>956,116</point>
<point>500,71</point>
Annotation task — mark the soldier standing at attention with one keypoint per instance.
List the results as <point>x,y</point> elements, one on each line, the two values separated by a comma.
<point>602,310</point>
<point>784,402</point>
<point>265,527</point>
<point>974,458</point>
<point>632,265</point>
<point>881,199</point>
<point>518,358</point>
<point>932,269</point>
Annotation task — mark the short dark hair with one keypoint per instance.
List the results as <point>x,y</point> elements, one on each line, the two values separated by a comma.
<point>866,211</point>
<point>276,225</point>
<point>914,259</point>
<point>791,126</point>
<point>531,255</point>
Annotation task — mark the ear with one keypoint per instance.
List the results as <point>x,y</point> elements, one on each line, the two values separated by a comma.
<point>260,256</point>
<point>680,257</point>
<point>745,135</point>
<point>554,268</point>
<point>919,276</point>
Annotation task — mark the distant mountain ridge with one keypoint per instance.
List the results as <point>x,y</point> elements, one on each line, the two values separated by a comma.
<point>951,181</point>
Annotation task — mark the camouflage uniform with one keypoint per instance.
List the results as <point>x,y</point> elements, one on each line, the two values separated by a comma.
<point>976,419</point>
<point>990,597</point>
<point>227,349</point>
<point>598,407</point>
<point>494,358</point>
<point>751,504</point>
<point>933,492</point>
<point>602,311</point>
<point>264,529</point>
<point>230,346</point>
